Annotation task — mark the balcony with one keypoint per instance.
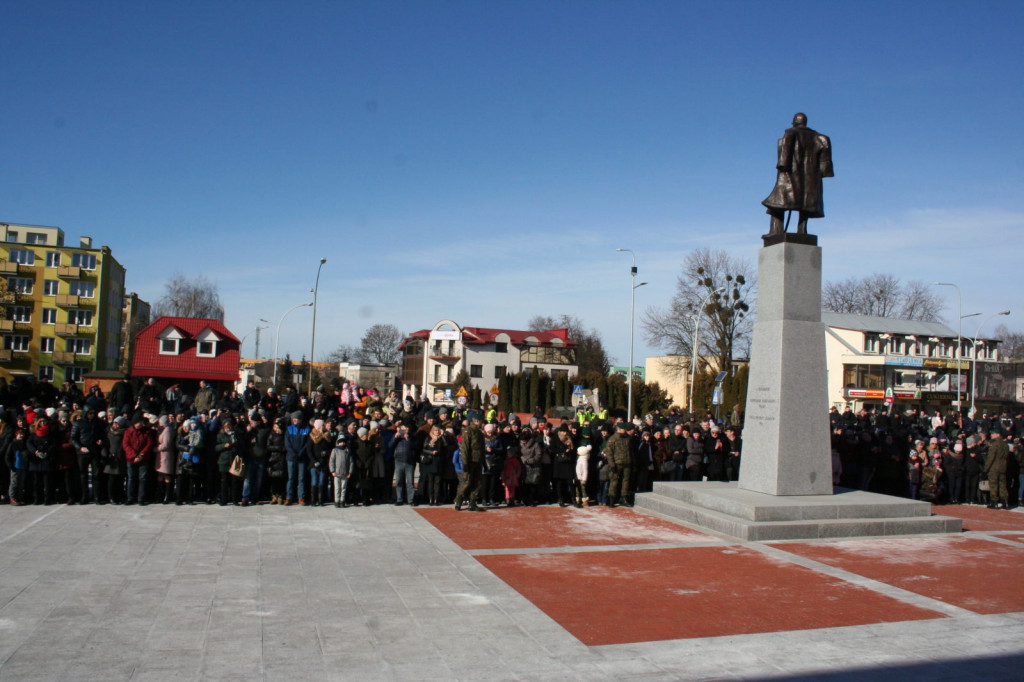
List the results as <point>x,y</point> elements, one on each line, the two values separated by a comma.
<point>6,355</point>
<point>64,357</point>
<point>68,301</point>
<point>69,272</point>
<point>8,268</point>
<point>6,325</point>
<point>65,329</point>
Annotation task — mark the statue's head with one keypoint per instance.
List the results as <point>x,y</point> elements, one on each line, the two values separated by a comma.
<point>800,120</point>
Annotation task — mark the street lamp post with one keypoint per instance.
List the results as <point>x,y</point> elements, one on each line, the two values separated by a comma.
<point>277,335</point>
<point>696,341</point>
<point>267,322</point>
<point>312,343</point>
<point>974,356</point>
<point>254,331</point>
<point>632,298</point>
<point>959,342</point>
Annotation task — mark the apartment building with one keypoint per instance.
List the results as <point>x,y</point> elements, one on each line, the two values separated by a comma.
<point>432,358</point>
<point>61,305</point>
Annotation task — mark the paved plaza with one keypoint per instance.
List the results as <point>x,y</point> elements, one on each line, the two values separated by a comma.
<point>396,593</point>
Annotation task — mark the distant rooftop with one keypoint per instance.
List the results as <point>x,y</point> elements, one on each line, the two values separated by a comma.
<point>885,325</point>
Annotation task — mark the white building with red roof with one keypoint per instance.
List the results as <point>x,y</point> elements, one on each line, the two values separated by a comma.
<point>431,358</point>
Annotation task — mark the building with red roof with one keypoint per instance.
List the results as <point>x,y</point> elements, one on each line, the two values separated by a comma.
<point>184,350</point>
<point>431,358</point>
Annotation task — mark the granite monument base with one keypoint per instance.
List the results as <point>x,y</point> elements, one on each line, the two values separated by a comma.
<point>726,509</point>
<point>786,442</point>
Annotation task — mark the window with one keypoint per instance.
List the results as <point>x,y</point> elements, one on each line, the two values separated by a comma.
<point>20,285</point>
<point>83,289</point>
<point>476,371</point>
<point>206,343</point>
<point>12,236</point>
<point>86,261</point>
<point>16,343</point>
<point>50,287</point>
<point>20,313</point>
<point>168,346</point>
<point>23,256</point>
<point>79,346</point>
<point>864,376</point>
<point>49,316</point>
<point>52,259</point>
<point>552,356</point>
<point>74,374</point>
<point>35,238</point>
<point>500,371</point>
<point>500,347</point>
<point>871,343</point>
<point>80,317</point>
<point>46,344</point>
<point>45,373</point>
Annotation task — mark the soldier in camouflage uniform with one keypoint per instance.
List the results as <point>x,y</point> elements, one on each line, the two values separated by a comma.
<point>472,453</point>
<point>620,465</point>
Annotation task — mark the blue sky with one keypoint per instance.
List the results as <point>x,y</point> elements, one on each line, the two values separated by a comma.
<point>481,161</point>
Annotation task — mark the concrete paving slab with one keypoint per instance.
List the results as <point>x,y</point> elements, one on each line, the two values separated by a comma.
<point>266,593</point>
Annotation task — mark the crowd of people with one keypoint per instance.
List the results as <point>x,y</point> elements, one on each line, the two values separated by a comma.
<point>347,447</point>
<point>939,457</point>
<point>355,446</point>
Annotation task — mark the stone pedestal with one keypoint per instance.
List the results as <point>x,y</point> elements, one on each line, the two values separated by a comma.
<point>785,488</point>
<point>786,444</point>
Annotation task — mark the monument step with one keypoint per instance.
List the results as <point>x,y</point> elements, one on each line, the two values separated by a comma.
<point>759,531</point>
<point>845,503</point>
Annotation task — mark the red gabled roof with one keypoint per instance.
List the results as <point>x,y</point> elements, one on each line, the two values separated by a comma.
<point>517,337</point>
<point>147,360</point>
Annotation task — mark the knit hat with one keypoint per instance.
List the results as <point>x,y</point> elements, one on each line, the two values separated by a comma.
<point>583,450</point>
<point>362,431</point>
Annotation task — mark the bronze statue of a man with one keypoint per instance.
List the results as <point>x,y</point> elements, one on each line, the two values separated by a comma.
<point>805,157</point>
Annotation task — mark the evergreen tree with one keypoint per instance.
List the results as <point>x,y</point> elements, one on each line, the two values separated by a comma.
<point>535,389</point>
<point>505,393</point>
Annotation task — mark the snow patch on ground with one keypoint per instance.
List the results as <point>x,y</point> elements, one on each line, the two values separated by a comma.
<point>470,599</point>
<point>939,551</point>
<point>600,522</point>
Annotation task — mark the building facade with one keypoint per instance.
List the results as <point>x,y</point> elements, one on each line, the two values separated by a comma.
<point>432,358</point>
<point>915,362</point>
<point>136,315</point>
<point>61,305</point>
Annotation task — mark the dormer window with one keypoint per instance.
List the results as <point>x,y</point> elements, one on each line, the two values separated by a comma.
<point>206,343</point>
<point>170,341</point>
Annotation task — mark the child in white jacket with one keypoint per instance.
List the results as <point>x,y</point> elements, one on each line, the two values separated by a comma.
<point>580,484</point>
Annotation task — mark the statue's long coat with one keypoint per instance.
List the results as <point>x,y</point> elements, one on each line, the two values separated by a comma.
<point>805,157</point>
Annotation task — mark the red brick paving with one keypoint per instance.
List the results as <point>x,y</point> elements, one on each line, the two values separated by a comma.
<point>549,526</point>
<point>973,573</point>
<point>982,518</point>
<point>678,593</point>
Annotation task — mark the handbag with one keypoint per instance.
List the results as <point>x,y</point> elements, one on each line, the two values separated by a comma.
<point>984,486</point>
<point>532,475</point>
<point>668,466</point>
<point>237,467</point>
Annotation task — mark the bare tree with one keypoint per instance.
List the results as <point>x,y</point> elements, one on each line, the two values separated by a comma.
<point>882,295</point>
<point>715,287</point>
<point>590,352</point>
<point>380,344</point>
<point>195,297</point>
<point>1012,347</point>
<point>346,353</point>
